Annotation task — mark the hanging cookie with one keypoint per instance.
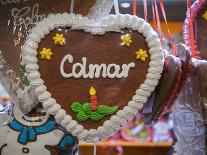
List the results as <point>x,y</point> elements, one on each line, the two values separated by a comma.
<point>93,81</point>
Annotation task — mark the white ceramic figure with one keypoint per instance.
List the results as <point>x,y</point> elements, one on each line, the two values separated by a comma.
<point>4,117</point>
<point>35,135</point>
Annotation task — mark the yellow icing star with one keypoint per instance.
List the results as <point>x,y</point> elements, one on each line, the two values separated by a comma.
<point>46,53</point>
<point>126,40</point>
<point>205,16</point>
<point>59,39</point>
<point>141,55</point>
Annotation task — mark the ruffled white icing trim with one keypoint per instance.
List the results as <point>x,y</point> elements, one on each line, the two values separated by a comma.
<point>78,22</point>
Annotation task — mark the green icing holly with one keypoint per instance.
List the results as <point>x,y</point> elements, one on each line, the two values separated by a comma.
<point>84,111</point>
<point>24,74</point>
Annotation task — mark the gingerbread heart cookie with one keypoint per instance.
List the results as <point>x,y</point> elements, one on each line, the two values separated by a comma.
<point>166,89</point>
<point>93,76</point>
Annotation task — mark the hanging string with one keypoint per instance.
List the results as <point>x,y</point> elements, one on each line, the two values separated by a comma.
<point>191,28</point>
<point>154,23</point>
<point>134,7</point>
<point>71,6</point>
<point>116,7</point>
<point>145,9</point>
<point>158,23</point>
<point>168,30</point>
<point>196,31</point>
<point>94,148</point>
<point>100,9</point>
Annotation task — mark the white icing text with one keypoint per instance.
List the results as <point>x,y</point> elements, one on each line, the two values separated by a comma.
<point>21,17</point>
<point>5,2</point>
<point>95,70</point>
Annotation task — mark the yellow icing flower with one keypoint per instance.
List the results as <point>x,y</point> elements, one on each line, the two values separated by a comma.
<point>141,55</point>
<point>126,40</point>
<point>59,39</point>
<point>205,16</point>
<point>46,53</point>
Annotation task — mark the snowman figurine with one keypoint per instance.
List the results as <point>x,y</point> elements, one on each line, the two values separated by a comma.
<point>35,134</point>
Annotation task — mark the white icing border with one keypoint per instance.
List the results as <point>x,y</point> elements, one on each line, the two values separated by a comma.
<point>29,53</point>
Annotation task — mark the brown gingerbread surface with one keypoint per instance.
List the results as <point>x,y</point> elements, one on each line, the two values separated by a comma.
<point>97,49</point>
<point>21,15</point>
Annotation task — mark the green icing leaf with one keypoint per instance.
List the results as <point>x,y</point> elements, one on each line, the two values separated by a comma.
<point>23,71</point>
<point>84,111</point>
<point>87,108</point>
<point>106,110</point>
<point>95,116</point>
<point>77,107</point>
<point>26,82</point>
<point>82,116</point>
<point>24,74</point>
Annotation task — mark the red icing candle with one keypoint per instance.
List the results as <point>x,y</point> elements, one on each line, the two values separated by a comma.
<point>93,99</point>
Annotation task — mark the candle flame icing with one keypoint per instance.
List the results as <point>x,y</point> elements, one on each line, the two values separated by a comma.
<point>92,91</point>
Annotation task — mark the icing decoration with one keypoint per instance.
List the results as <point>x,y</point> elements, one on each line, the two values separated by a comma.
<point>73,21</point>
<point>24,74</point>
<point>29,134</point>
<point>84,111</point>
<point>126,40</point>
<point>93,99</point>
<point>95,70</point>
<point>191,26</point>
<point>141,55</point>
<point>92,110</point>
<point>191,19</point>
<point>46,53</point>
<point>59,39</point>
<point>18,40</point>
<point>205,16</point>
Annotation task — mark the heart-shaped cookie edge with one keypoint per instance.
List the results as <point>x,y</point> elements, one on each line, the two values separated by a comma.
<point>196,8</point>
<point>29,59</point>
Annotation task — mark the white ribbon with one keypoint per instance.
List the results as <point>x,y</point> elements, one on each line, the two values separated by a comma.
<point>71,6</point>
<point>116,7</point>
<point>101,9</point>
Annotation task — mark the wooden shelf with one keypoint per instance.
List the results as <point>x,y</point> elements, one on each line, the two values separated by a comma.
<point>128,144</point>
<point>132,148</point>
